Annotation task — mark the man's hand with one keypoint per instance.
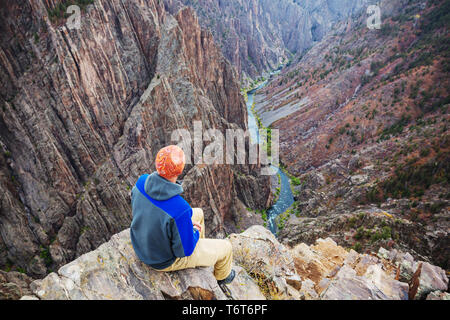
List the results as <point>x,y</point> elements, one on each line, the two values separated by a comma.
<point>198,227</point>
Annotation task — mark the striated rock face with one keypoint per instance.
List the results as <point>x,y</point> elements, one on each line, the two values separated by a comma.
<point>14,285</point>
<point>258,35</point>
<point>83,113</point>
<point>265,270</point>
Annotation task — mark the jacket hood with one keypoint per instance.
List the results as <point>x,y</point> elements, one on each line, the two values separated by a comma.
<point>161,189</point>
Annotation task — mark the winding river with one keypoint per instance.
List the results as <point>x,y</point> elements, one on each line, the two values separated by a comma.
<point>286,198</point>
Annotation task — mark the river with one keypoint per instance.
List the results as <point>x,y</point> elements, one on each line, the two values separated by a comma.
<point>286,198</point>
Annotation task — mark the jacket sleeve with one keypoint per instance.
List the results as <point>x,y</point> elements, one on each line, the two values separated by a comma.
<point>184,236</point>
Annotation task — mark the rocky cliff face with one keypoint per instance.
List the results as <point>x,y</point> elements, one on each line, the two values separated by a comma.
<point>265,270</point>
<point>257,35</point>
<point>83,113</point>
<point>364,122</point>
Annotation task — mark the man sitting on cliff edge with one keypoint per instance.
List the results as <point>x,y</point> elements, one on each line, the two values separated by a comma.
<point>166,233</point>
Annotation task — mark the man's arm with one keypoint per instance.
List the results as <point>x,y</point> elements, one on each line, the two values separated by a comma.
<point>184,236</point>
<point>197,226</point>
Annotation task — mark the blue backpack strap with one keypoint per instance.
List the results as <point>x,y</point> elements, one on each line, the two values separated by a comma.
<point>167,205</point>
<point>140,184</point>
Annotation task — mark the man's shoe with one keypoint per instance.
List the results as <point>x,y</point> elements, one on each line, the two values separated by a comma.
<point>228,279</point>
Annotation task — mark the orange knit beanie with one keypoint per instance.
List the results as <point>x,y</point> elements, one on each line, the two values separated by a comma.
<point>170,162</point>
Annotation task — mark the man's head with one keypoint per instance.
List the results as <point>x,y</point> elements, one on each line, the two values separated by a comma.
<point>170,162</point>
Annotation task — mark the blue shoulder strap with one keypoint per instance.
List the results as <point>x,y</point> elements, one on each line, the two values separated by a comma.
<point>167,205</point>
<point>140,184</point>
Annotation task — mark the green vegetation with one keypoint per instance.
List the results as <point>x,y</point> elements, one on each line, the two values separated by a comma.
<point>46,256</point>
<point>282,219</point>
<point>268,145</point>
<point>415,89</point>
<point>388,30</point>
<point>396,128</point>
<point>376,66</point>
<point>263,213</point>
<point>21,270</point>
<point>84,229</point>
<point>436,207</point>
<point>352,222</point>
<point>412,180</point>
<point>373,235</point>
<point>384,234</point>
<point>36,219</point>
<point>440,103</point>
<point>360,233</point>
<point>424,59</point>
<point>357,247</point>
<point>425,152</point>
<point>296,181</point>
<point>277,194</point>
<point>437,18</point>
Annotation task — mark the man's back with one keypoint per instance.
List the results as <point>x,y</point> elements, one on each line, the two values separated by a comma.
<point>161,230</point>
<point>165,232</point>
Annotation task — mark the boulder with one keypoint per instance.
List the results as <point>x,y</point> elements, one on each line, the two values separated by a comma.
<point>403,261</point>
<point>438,295</point>
<point>266,260</point>
<point>243,287</point>
<point>426,279</point>
<point>29,298</point>
<point>308,290</point>
<point>330,272</point>
<point>9,291</point>
<point>359,179</point>
<point>318,261</point>
<point>349,286</point>
<point>393,289</point>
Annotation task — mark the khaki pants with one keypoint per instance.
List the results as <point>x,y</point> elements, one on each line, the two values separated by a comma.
<point>215,253</point>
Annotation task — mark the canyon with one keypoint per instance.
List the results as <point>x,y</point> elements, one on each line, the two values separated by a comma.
<point>364,142</point>
<point>364,117</point>
<point>257,36</point>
